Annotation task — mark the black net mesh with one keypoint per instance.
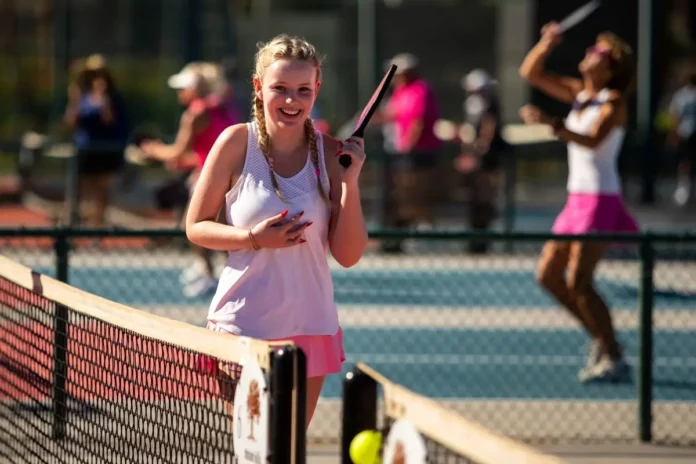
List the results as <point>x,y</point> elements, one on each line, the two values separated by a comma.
<point>74,389</point>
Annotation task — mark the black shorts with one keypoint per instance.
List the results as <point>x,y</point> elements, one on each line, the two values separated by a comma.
<point>686,149</point>
<point>91,161</point>
<point>494,159</point>
<point>174,193</point>
<point>411,181</point>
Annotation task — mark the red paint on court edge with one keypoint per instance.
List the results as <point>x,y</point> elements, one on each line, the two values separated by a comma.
<point>19,216</point>
<point>103,362</point>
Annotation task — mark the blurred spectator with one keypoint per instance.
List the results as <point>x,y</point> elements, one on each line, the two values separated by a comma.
<point>412,111</point>
<point>201,123</point>
<point>481,157</point>
<point>320,124</point>
<point>225,88</point>
<point>97,114</point>
<point>682,136</point>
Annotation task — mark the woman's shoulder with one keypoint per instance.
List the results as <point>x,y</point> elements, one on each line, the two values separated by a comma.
<point>235,135</point>
<point>229,151</point>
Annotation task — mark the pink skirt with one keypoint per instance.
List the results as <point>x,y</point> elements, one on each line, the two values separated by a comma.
<point>586,213</point>
<point>324,353</point>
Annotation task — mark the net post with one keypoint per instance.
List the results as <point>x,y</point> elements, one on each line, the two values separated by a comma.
<point>645,392</point>
<point>59,396</point>
<point>286,391</point>
<point>359,408</point>
<point>300,406</point>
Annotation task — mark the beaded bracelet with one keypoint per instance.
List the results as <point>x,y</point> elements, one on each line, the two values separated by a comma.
<point>254,245</point>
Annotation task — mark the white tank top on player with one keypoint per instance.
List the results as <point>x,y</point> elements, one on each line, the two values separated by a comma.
<point>277,293</point>
<point>593,170</point>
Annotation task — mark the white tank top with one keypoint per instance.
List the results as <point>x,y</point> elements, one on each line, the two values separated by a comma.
<point>277,293</point>
<point>593,170</point>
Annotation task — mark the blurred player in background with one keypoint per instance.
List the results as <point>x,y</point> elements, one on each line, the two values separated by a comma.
<point>201,123</point>
<point>411,112</point>
<point>682,136</point>
<point>481,158</point>
<point>224,80</point>
<point>97,114</point>
<point>321,124</point>
<point>594,130</point>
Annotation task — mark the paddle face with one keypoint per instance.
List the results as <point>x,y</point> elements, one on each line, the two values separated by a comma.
<point>577,16</point>
<point>134,155</point>
<point>369,110</point>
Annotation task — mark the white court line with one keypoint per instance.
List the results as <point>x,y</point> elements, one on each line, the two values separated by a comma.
<point>501,318</point>
<point>462,318</point>
<point>176,259</point>
<point>438,359</point>
<point>668,275</point>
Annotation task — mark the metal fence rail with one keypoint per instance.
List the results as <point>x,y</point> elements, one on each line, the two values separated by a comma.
<point>475,332</point>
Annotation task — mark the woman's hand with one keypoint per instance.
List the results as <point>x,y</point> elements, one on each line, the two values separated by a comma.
<point>531,114</point>
<point>551,35</point>
<point>355,148</point>
<point>276,232</point>
<point>150,147</point>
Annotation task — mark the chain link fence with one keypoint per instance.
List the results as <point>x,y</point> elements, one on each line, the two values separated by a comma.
<point>475,332</point>
<point>146,41</point>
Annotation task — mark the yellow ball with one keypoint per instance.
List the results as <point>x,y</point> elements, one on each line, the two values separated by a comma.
<point>365,446</point>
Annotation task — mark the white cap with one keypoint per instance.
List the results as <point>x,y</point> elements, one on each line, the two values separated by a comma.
<point>476,80</point>
<point>190,76</point>
<point>404,62</point>
<point>195,74</point>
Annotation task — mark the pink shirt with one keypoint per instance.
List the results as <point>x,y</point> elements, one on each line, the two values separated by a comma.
<point>218,121</point>
<point>408,104</point>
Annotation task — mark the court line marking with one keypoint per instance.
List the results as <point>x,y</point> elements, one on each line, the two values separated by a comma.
<point>442,359</point>
<point>482,318</point>
<point>501,318</point>
<point>175,259</point>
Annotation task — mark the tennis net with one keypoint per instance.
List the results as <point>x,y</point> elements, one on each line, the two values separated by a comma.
<point>418,429</point>
<point>84,379</point>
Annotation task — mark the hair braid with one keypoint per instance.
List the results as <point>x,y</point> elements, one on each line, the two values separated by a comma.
<point>264,142</point>
<point>314,155</point>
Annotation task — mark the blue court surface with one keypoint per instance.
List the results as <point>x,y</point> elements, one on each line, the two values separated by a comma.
<point>495,362</point>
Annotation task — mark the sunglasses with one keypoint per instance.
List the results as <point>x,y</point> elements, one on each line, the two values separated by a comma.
<point>603,52</point>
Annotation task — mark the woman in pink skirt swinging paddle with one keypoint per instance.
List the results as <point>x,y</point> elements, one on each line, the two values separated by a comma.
<point>594,130</point>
